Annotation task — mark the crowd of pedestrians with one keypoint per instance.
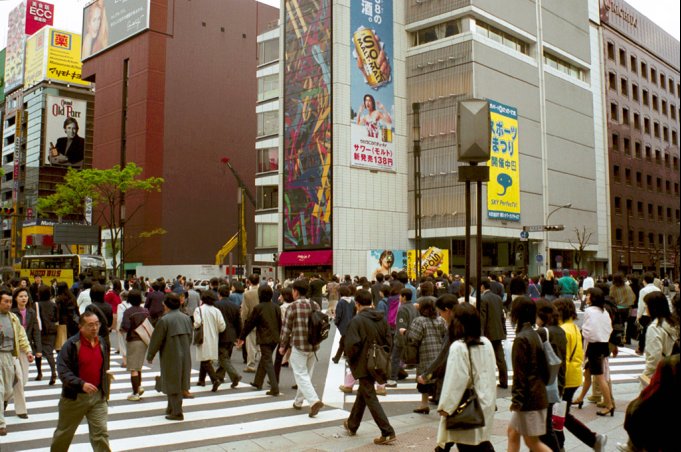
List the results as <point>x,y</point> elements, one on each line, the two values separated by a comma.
<point>451,333</point>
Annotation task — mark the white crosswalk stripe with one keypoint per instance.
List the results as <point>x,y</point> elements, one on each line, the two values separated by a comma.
<point>229,414</point>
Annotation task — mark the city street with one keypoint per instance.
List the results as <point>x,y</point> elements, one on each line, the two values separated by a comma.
<point>246,419</point>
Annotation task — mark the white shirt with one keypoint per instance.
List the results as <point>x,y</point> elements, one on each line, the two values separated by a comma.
<point>84,300</point>
<point>642,308</point>
<point>597,325</point>
<point>588,283</point>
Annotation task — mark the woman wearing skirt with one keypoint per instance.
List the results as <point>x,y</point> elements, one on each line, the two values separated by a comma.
<point>133,317</point>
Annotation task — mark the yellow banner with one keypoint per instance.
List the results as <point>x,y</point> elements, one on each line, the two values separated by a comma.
<point>34,71</point>
<point>63,58</point>
<point>431,260</point>
<point>503,189</point>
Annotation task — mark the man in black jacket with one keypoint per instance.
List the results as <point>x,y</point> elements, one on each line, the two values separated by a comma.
<point>102,310</point>
<point>266,319</point>
<point>231,314</point>
<point>84,388</point>
<point>366,328</point>
<point>493,324</point>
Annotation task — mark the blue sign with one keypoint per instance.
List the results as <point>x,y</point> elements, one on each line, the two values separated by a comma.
<point>524,234</point>
<point>540,258</point>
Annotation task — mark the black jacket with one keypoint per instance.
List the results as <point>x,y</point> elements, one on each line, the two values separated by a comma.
<point>32,329</point>
<point>530,371</point>
<point>266,319</point>
<point>231,314</point>
<point>492,316</point>
<point>345,311</point>
<point>367,327</point>
<point>67,368</point>
<point>49,317</point>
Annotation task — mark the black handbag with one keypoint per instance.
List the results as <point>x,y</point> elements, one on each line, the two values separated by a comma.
<point>198,332</point>
<point>468,414</point>
<point>410,352</point>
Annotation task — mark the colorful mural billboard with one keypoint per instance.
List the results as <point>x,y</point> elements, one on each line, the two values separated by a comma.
<point>16,40</point>
<point>385,262</point>
<point>108,22</point>
<point>372,93</point>
<point>503,188</point>
<point>307,125</point>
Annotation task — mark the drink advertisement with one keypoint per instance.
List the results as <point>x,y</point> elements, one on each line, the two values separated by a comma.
<point>503,188</point>
<point>65,131</point>
<point>430,260</point>
<point>372,91</point>
<point>385,262</point>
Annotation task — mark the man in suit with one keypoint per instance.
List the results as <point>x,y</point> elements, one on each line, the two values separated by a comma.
<point>251,301</point>
<point>493,326</point>
<point>230,312</point>
<point>70,150</point>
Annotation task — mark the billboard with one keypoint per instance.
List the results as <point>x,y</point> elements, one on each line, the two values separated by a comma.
<point>503,188</point>
<point>65,127</point>
<point>16,39</point>
<point>2,76</point>
<point>385,262</point>
<point>430,260</point>
<point>108,22</point>
<point>53,55</point>
<point>307,125</point>
<point>38,15</point>
<point>372,91</point>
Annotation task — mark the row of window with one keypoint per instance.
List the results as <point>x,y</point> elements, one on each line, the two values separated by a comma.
<point>565,67</point>
<point>268,87</point>
<point>617,176</point>
<point>627,119</point>
<point>266,160</point>
<point>655,102</point>
<point>641,239</point>
<point>268,51</point>
<point>266,197</point>
<point>268,123</point>
<point>266,235</point>
<point>625,147</point>
<point>650,212</point>
<point>664,82</point>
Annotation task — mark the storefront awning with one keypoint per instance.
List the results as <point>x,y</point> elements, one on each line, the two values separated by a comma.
<point>305,258</point>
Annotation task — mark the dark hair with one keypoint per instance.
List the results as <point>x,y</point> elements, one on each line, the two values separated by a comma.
<point>546,312</point>
<point>45,293</point>
<point>427,308</point>
<point>208,297</point>
<point>254,279</point>
<point>238,287</point>
<point>406,293</point>
<point>84,317</point>
<point>62,288</point>
<point>363,297</point>
<point>373,103</point>
<point>379,277</point>
<point>214,281</point>
<point>402,277</point>
<point>597,298</point>
<point>518,286</point>
<point>223,290</point>
<point>427,289</point>
<point>648,277</point>
<point>465,324</point>
<point>565,309</point>
<point>485,283</point>
<point>396,287</point>
<point>343,291</point>
<point>658,307</point>
<point>135,297</point>
<point>172,301</point>
<point>71,120</point>
<point>618,279</point>
<point>87,283</point>
<point>265,293</point>
<point>116,285</point>
<point>446,301</point>
<point>97,293</point>
<point>523,310</point>
<point>287,294</point>
<point>302,286</point>
<point>16,293</point>
<point>385,290</point>
<point>4,291</point>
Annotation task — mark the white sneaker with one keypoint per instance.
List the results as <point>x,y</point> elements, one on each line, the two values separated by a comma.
<point>140,391</point>
<point>391,384</point>
<point>600,442</point>
<point>134,397</point>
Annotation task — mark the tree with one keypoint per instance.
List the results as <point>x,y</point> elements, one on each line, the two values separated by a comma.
<point>583,239</point>
<point>107,188</point>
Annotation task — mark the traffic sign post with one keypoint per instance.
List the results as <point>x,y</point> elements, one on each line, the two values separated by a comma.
<point>543,227</point>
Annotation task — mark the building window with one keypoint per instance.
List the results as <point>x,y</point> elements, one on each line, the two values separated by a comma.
<point>267,160</point>
<point>659,190</point>
<point>644,70</point>
<point>658,157</point>
<point>624,87</point>
<point>646,126</point>
<point>653,75</point>
<point>645,97</point>
<point>655,102</point>
<point>651,239</point>
<point>436,32</point>
<point>627,180</point>
<point>674,138</point>
<point>625,117</point>
<point>565,67</point>
<point>672,111</point>
<point>268,51</point>
<point>637,149</point>
<point>616,173</point>
<point>623,57</point>
<point>618,204</point>
<point>611,51</point>
<point>618,236</point>
<point>676,189</point>
<point>663,82</point>
<point>641,235</point>
<point>649,184</point>
<point>268,123</point>
<point>639,208</point>
<point>675,162</point>
<point>626,142</point>
<point>639,183</point>
<point>612,81</point>
<point>268,87</point>
<point>668,189</point>
<point>266,235</point>
<point>649,153</point>
<point>267,197</point>
<point>615,142</point>
<point>667,160</point>
<point>656,129</point>
<point>637,121</point>
<point>665,133</point>
<point>671,85</point>
<point>650,212</point>
<point>613,113</point>
<point>633,64</point>
<point>664,107</point>
<point>634,92</point>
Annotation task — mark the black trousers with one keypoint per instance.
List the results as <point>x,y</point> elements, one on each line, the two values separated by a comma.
<point>340,351</point>
<point>366,398</point>
<point>550,438</point>
<point>174,404</point>
<point>644,321</point>
<point>501,362</point>
<point>574,425</point>
<point>47,343</point>
<point>484,446</point>
<point>265,366</point>
<point>207,368</point>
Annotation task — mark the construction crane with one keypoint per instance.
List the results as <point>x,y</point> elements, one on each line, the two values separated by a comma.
<point>238,240</point>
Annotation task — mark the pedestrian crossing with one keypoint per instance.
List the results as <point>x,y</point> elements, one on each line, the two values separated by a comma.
<point>209,418</point>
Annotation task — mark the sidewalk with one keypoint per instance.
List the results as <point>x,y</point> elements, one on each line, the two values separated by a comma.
<point>419,432</point>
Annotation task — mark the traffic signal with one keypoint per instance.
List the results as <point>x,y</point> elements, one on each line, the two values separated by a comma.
<point>558,227</point>
<point>7,211</point>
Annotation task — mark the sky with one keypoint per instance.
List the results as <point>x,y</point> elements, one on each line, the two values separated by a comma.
<point>68,15</point>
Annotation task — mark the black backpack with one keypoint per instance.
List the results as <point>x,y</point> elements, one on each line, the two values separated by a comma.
<point>318,326</point>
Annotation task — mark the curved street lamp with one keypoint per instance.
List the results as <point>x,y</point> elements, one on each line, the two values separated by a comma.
<point>546,233</point>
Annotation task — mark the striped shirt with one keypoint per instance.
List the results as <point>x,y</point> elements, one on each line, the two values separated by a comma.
<point>294,330</point>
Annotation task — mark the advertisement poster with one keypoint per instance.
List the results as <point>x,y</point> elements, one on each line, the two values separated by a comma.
<point>372,91</point>
<point>2,76</point>
<point>16,39</point>
<point>38,15</point>
<point>503,188</point>
<point>36,51</point>
<point>385,262</point>
<point>108,22</point>
<point>53,55</point>
<point>65,131</point>
<point>430,260</point>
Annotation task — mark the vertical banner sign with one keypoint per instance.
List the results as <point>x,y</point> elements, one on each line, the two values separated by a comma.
<point>372,91</point>
<point>38,15</point>
<point>385,262</point>
<point>2,75</point>
<point>16,39</point>
<point>503,189</point>
<point>64,131</point>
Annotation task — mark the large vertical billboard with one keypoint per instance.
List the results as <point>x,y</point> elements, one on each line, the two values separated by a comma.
<point>307,125</point>
<point>2,75</point>
<point>503,188</point>
<point>65,128</point>
<point>372,91</point>
<point>35,56</point>
<point>16,39</point>
<point>108,22</point>
<point>53,55</point>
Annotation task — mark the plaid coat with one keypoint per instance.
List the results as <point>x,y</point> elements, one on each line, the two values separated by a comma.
<point>429,334</point>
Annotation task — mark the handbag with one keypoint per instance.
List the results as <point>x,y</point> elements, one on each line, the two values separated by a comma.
<point>554,363</point>
<point>468,414</point>
<point>198,332</point>
<point>144,331</point>
<point>410,352</point>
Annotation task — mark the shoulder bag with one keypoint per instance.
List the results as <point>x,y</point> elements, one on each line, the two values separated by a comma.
<point>144,331</point>
<point>198,332</point>
<point>468,415</point>
<point>554,362</point>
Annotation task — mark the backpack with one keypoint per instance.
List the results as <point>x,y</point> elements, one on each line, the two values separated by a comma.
<point>318,326</point>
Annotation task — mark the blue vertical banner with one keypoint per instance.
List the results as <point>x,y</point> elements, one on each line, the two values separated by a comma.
<point>372,91</point>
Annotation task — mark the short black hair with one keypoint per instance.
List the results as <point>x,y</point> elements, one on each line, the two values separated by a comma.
<point>287,294</point>
<point>465,324</point>
<point>485,283</point>
<point>85,315</point>
<point>523,310</point>
<point>648,277</point>
<point>264,293</point>
<point>135,297</point>
<point>302,286</point>
<point>45,293</point>
<point>427,289</point>
<point>344,291</point>
<point>546,312</point>
<point>407,294</point>
<point>254,279</point>
<point>597,297</point>
<point>87,283</point>
<point>446,301</point>
<point>223,290</point>
<point>208,297</point>
<point>363,297</point>
<point>97,293</point>
<point>566,309</point>
<point>427,308</point>
<point>172,301</point>
<point>658,306</point>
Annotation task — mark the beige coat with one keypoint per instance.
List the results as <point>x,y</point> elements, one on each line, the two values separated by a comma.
<point>213,325</point>
<point>659,344</point>
<point>454,384</point>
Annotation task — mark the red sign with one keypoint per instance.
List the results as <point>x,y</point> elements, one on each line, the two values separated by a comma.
<point>306,258</point>
<point>38,15</point>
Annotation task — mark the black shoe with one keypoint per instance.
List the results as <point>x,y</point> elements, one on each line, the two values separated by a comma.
<point>22,416</point>
<point>259,388</point>
<point>201,383</point>
<point>39,377</point>
<point>502,386</point>
<point>294,387</point>
<point>402,374</point>
<point>235,383</point>
<point>335,360</point>
<point>425,410</point>
<point>179,417</point>
<point>284,365</point>
<point>216,385</point>
<point>53,380</point>
<point>272,392</point>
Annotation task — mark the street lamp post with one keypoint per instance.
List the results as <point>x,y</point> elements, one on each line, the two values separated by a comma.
<point>546,233</point>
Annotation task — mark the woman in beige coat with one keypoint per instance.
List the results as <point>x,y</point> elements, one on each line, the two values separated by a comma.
<point>469,351</point>
<point>213,324</point>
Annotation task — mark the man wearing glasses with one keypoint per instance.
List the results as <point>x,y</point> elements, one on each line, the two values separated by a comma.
<point>82,365</point>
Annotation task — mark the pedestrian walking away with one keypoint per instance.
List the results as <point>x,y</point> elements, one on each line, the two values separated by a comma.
<point>228,337</point>
<point>493,323</point>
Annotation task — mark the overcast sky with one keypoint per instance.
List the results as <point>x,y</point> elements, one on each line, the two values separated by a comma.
<point>69,14</point>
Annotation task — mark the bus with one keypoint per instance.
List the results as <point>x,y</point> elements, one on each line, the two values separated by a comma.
<point>62,267</point>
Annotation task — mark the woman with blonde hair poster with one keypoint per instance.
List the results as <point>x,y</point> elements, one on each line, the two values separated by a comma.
<point>95,29</point>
